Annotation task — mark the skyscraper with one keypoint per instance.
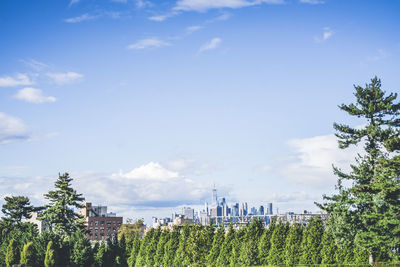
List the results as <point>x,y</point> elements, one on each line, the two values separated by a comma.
<point>269,209</point>
<point>214,197</point>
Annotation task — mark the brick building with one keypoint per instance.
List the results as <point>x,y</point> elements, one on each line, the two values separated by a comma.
<point>100,224</point>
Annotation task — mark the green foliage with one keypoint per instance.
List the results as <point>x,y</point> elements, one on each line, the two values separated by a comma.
<point>311,243</point>
<point>236,246</point>
<point>59,212</point>
<point>51,257</point>
<point>249,250</point>
<point>276,253</point>
<point>12,255</point>
<point>265,243</point>
<point>159,256</point>
<point>182,256</point>
<point>134,251</point>
<point>226,250</point>
<point>81,254</point>
<point>367,212</point>
<point>171,247</point>
<point>293,241</point>
<point>328,248</point>
<point>100,258</point>
<point>16,208</point>
<point>141,258</point>
<point>28,255</point>
<point>216,246</point>
<point>196,245</point>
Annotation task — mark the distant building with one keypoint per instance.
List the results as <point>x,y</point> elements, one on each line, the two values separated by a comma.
<point>261,210</point>
<point>41,224</point>
<point>188,213</point>
<point>269,209</point>
<point>99,223</point>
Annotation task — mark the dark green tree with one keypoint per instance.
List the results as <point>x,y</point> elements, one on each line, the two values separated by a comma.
<point>134,251</point>
<point>216,246</point>
<point>152,247</point>
<point>276,254</point>
<point>17,208</point>
<point>368,210</point>
<point>196,245</point>
<point>226,249</point>
<point>141,257</point>
<point>159,256</point>
<point>81,254</point>
<point>171,247</point>
<point>328,248</point>
<point>293,241</point>
<point>265,243</point>
<point>51,257</point>
<point>182,256</point>
<point>100,258</point>
<point>311,243</point>
<point>28,255</point>
<point>59,212</point>
<point>12,254</point>
<point>249,249</point>
<point>236,246</point>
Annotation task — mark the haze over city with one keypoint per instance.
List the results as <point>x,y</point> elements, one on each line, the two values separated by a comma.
<point>148,104</point>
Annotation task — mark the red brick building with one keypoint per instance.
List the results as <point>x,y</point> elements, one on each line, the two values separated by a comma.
<point>100,224</point>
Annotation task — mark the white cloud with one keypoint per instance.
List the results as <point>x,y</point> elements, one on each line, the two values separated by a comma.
<point>192,29</point>
<point>33,95</point>
<point>327,33</point>
<point>381,54</point>
<point>11,129</point>
<point>148,43</point>
<point>314,158</point>
<point>163,17</point>
<point>143,3</point>
<point>61,78</point>
<point>312,2</point>
<point>80,18</point>
<point>204,5</point>
<point>150,171</point>
<point>212,44</point>
<point>19,79</point>
<point>72,2</point>
<point>34,64</point>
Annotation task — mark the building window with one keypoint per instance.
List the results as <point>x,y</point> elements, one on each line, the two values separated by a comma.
<point>102,222</point>
<point>96,223</point>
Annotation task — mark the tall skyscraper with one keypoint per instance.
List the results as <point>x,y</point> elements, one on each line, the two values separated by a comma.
<point>269,209</point>
<point>214,197</point>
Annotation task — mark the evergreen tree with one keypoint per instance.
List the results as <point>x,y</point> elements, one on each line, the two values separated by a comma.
<point>17,208</point>
<point>226,250</point>
<point>360,256</point>
<point>12,254</point>
<point>216,246</point>
<point>51,257</point>
<point>171,247</point>
<point>182,256</point>
<point>134,251</point>
<point>311,243</point>
<point>159,256</point>
<point>293,241</point>
<point>152,247</point>
<point>100,258</point>
<point>345,255</point>
<point>208,236</point>
<point>265,244</point>
<point>141,258</point>
<point>81,254</point>
<point>249,249</point>
<point>59,212</point>
<point>196,244</point>
<point>365,210</point>
<point>276,253</point>
<point>28,255</point>
<point>236,246</point>
<point>121,252</point>
<point>328,248</point>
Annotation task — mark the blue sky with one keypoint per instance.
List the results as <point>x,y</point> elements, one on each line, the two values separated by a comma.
<point>148,103</point>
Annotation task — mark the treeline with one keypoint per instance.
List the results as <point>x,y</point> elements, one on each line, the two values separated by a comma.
<point>189,245</point>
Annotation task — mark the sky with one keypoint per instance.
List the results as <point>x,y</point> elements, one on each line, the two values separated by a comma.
<point>149,104</point>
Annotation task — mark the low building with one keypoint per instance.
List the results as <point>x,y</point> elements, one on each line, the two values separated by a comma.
<point>41,224</point>
<point>99,223</point>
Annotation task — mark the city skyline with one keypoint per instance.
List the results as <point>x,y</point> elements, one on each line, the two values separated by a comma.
<point>148,105</point>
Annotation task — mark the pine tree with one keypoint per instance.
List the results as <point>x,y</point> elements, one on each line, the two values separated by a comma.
<point>159,256</point>
<point>195,247</point>
<point>293,241</point>
<point>81,254</point>
<point>328,248</point>
<point>171,247</point>
<point>59,212</point>
<point>265,244</point>
<point>17,208</point>
<point>152,247</point>
<point>311,243</point>
<point>100,258</point>
<point>182,257</point>
<point>216,246</point>
<point>364,212</point>
<point>51,257</point>
<point>141,257</point>
<point>208,235</point>
<point>278,241</point>
<point>249,249</point>
<point>236,246</point>
<point>12,254</point>
<point>226,250</point>
<point>28,255</point>
<point>134,251</point>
